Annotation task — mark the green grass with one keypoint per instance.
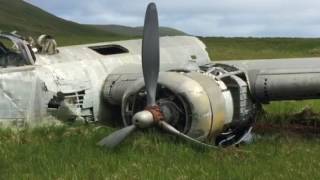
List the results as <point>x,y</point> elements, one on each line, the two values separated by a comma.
<point>70,153</point>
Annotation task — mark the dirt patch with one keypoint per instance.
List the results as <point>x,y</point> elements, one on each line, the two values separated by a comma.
<point>305,121</point>
<point>289,128</point>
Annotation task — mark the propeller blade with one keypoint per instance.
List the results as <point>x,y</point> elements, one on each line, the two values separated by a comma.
<point>164,125</point>
<point>150,53</point>
<point>117,137</point>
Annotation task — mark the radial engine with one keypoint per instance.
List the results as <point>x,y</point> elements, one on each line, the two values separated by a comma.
<point>211,105</point>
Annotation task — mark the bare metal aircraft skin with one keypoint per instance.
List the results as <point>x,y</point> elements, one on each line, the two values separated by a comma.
<point>205,102</point>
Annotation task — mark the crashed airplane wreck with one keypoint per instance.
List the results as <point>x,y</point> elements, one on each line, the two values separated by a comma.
<point>167,82</point>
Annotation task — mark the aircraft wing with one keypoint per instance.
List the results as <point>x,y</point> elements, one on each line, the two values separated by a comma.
<point>281,79</point>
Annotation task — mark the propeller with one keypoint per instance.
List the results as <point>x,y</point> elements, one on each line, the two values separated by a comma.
<point>117,137</point>
<point>152,115</point>
<point>165,126</point>
<point>150,67</point>
<point>150,53</point>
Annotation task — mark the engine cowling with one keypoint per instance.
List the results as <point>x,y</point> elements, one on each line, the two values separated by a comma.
<point>203,105</point>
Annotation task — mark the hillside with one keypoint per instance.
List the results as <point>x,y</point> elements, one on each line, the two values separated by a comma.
<point>24,17</point>
<point>137,31</point>
<point>30,20</point>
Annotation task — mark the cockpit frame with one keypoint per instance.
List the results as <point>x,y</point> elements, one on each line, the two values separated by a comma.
<point>24,51</point>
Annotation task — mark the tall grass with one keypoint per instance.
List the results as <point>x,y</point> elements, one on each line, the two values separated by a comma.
<point>70,152</point>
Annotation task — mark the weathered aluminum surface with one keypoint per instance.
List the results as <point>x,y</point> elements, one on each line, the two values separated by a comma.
<point>285,85</point>
<point>27,92</point>
<point>116,85</point>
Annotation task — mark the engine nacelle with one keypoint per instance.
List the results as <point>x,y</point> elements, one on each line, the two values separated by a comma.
<point>199,104</point>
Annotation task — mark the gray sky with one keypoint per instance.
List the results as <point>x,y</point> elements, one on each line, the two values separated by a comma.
<point>298,18</point>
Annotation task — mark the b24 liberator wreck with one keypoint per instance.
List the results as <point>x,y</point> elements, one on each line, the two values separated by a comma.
<point>167,82</point>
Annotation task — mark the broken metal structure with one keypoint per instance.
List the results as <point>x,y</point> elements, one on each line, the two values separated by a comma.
<point>206,102</point>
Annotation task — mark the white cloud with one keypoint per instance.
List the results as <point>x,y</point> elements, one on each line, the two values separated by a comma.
<point>200,17</point>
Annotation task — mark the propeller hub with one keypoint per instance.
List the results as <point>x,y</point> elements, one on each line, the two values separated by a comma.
<point>143,119</point>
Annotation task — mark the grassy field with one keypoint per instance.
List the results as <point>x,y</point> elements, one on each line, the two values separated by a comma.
<point>221,48</point>
<point>70,152</point>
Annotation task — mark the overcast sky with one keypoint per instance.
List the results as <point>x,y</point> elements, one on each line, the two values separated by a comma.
<point>291,18</point>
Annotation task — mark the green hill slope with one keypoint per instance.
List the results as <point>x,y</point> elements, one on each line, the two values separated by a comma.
<point>30,20</point>
<point>26,18</point>
<point>137,31</point>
